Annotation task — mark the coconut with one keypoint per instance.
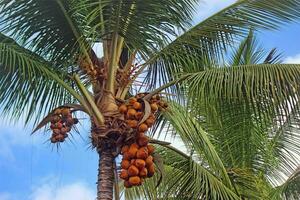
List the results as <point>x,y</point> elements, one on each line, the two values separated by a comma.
<point>154,107</point>
<point>150,148</point>
<point>135,180</point>
<point>139,163</point>
<point>143,141</point>
<point>66,112</point>
<point>142,153</point>
<point>126,156</point>
<point>151,170</point>
<point>132,100</point>
<point>53,139</point>
<point>124,149</point>
<point>131,113</point>
<point>124,174</point>
<point>137,106</point>
<point>149,161</point>
<point>133,150</point>
<point>150,122</point>
<point>138,115</point>
<point>69,121</point>
<point>127,184</point>
<point>143,172</point>
<point>125,164</point>
<point>143,127</point>
<point>132,123</point>
<point>123,109</point>
<point>133,171</point>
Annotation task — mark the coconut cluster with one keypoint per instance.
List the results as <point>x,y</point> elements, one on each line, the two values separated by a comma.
<point>137,163</point>
<point>61,124</point>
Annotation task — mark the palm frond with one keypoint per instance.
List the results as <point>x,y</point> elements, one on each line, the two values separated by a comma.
<point>273,57</point>
<point>249,184</point>
<point>249,52</point>
<point>289,190</point>
<point>213,36</point>
<point>235,129</point>
<point>145,25</point>
<point>196,139</point>
<point>284,141</point>
<point>265,87</point>
<point>27,85</point>
<point>42,26</point>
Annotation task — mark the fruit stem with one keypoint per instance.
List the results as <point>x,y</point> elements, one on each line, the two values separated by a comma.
<point>116,49</point>
<point>85,93</point>
<point>112,68</point>
<point>154,141</point>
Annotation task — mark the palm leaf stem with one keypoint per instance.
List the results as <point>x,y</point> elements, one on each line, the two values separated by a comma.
<point>116,48</point>
<point>89,98</point>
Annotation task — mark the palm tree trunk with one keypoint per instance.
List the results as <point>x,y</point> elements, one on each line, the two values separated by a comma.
<point>105,175</point>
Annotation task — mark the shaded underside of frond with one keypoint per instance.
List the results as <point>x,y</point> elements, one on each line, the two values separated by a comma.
<point>145,25</point>
<point>42,26</point>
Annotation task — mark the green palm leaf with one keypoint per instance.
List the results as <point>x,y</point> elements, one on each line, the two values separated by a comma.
<point>285,145</point>
<point>42,26</point>
<point>289,190</point>
<point>28,84</point>
<point>197,139</point>
<point>145,25</point>
<point>266,86</point>
<point>213,36</point>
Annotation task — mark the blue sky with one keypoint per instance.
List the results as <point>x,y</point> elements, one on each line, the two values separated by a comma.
<point>31,169</point>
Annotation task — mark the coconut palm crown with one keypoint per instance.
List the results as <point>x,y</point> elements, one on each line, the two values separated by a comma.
<point>49,71</point>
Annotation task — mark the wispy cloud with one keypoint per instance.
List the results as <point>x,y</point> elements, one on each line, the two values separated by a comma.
<point>51,190</point>
<point>12,136</point>
<point>293,59</point>
<point>5,196</point>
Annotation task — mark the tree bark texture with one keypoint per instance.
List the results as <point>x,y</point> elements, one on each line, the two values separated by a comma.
<point>105,182</point>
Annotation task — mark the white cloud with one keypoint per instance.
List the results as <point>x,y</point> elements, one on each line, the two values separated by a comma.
<point>292,59</point>
<point>5,196</point>
<point>12,135</point>
<point>74,191</point>
<point>207,8</point>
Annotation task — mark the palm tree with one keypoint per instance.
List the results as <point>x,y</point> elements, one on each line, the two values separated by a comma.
<point>260,155</point>
<point>48,68</point>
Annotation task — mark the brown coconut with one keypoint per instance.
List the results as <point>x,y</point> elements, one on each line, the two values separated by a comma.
<point>133,170</point>
<point>125,164</point>
<point>135,180</point>
<point>142,153</point>
<point>124,174</point>
<point>139,163</point>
